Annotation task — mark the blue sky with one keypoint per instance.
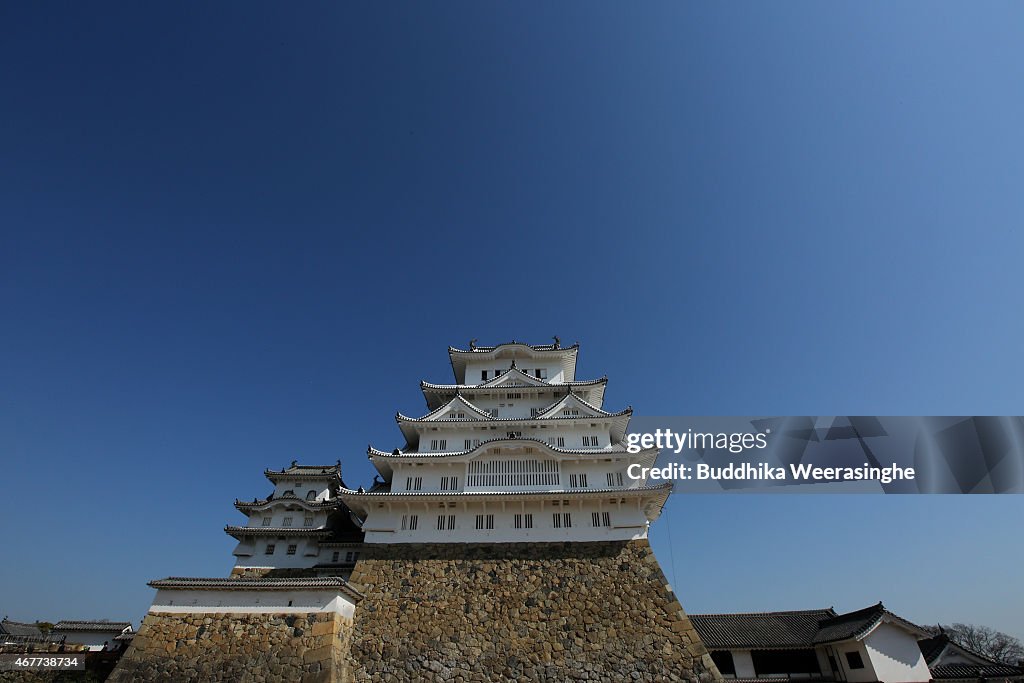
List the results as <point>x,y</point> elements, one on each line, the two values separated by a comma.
<point>238,234</point>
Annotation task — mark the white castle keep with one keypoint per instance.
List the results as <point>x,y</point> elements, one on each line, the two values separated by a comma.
<point>515,450</point>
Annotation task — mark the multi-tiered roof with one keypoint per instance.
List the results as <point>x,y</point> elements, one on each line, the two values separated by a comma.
<point>515,430</point>
<point>291,526</point>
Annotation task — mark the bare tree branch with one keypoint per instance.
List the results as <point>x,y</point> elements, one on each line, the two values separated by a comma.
<point>986,641</point>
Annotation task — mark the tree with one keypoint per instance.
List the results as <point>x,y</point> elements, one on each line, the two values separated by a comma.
<point>994,644</point>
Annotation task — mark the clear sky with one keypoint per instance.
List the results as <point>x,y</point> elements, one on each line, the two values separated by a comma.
<point>236,234</point>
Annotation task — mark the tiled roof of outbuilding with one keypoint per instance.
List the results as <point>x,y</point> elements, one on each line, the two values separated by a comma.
<point>304,583</point>
<point>71,625</point>
<point>932,647</point>
<point>975,672</point>
<point>760,630</point>
<point>19,628</point>
<point>781,630</point>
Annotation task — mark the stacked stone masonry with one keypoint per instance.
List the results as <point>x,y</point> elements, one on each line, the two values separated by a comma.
<point>598,611</point>
<point>255,648</point>
<point>452,612</point>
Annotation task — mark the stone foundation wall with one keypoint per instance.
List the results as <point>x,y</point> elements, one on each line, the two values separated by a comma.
<point>512,612</point>
<point>310,648</point>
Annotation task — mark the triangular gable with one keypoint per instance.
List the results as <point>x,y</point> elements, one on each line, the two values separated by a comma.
<point>576,406</point>
<point>514,377</point>
<point>456,406</point>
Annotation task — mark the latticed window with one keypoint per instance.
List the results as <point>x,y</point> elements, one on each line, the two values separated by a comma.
<point>485,521</point>
<point>601,518</point>
<point>292,547</point>
<point>524,521</point>
<point>410,522</point>
<point>578,481</point>
<point>513,473</point>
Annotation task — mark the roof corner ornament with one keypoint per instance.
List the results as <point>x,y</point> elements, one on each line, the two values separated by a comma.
<point>513,364</point>
<point>558,342</point>
<point>294,463</point>
<point>396,452</point>
<point>472,344</point>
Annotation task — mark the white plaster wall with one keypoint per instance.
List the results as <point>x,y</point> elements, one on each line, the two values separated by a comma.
<point>278,513</point>
<point>866,674</point>
<point>384,525</point>
<point>953,657</point>
<point>92,639</point>
<point>744,664</point>
<point>896,656</point>
<point>595,467</point>
<point>456,433</point>
<point>301,486</point>
<point>823,665</point>
<point>306,554</point>
<point>551,365</point>
<point>252,601</point>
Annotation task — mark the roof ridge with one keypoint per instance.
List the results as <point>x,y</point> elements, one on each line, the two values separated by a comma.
<point>761,614</point>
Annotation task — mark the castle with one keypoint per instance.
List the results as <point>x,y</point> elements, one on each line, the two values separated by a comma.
<point>503,542</point>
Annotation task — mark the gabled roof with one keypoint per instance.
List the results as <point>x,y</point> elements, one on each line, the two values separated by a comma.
<point>436,394</point>
<point>297,471</point>
<point>850,625</point>
<point>382,459</point>
<point>513,374</point>
<point>620,420</point>
<point>935,647</point>
<point>782,630</point>
<point>247,507</point>
<point>932,647</point>
<point>513,349</point>
<point>571,400</point>
<point>19,628</point>
<point>458,402</point>
<point>856,625</point>
<point>100,625</point>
